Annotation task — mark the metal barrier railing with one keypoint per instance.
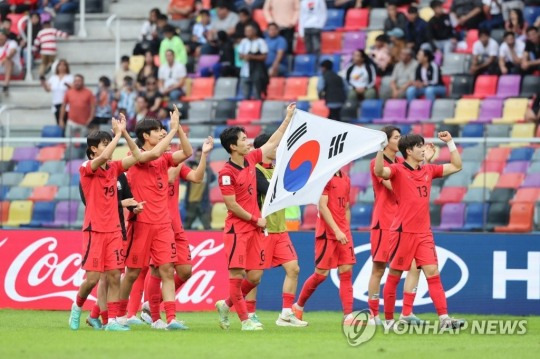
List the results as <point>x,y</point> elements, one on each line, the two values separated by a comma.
<point>116,34</point>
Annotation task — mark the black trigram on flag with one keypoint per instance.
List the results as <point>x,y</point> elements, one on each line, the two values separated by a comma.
<point>336,146</point>
<point>296,135</point>
<point>273,196</point>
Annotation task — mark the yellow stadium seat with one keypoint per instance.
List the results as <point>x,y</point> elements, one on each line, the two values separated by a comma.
<point>466,111</point>
<point>219,213</point>
<point>120,152</point>
<point>182,193</point>
<point>514,110</point>
<point>312,93</point>
<point>426,13</point>
<point>371,36</point>
<point>187,86</point>
<point>485,179</point>
<point>35,179</point>
<point>6,153</point>
<point>20,212</point>
<point>523,130</point>
<point>136,63</point>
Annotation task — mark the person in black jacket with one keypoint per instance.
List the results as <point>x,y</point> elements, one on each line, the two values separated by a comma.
<point>440,31</point>
<point>428,79</point>
<point>331,88</point>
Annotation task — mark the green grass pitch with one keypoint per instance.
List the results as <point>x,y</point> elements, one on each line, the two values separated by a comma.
<point>45,334</point>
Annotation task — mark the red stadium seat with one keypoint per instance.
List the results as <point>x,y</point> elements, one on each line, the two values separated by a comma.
<point>470,39</point>
<point>444,154</point>
<point>356,19</point>
<point>295,87</point>
<point>258,16</point>
<point>216,166</point>
<point>252,131</point>
<point>201,89</point>
<point>451,195</point>
<point>319,108</point>
<point>492,166</point>
<point>331,42</point>
<point>498,154</point>
<point>248,111</point>
<point>300,48</point>
<point>4,211</point>
<point>54,153</point>
<point>215,195</point>
<point>309,219</point>
<point>45,193</point>
<point>521,218</point>
<point>424,129</point>
<point>275,88</point>
<point>485,86</point>
<point>528,195</point>
<point>510,180</point>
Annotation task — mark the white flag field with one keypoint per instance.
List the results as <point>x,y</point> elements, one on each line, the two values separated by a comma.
<point>311,151</point>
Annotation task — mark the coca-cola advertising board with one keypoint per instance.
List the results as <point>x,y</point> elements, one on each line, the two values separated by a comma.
<point>41,270</point>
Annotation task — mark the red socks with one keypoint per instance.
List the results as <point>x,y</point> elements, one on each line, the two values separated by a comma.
<point>170,311</point>
<point>245,287</point>
<point>104,317</point>
<point>374,306</point>
<point>408,300</point>
<point>288,300</point>
<point>389,294</point>
<point>346,291</point>
<point>436,292</point>
<point>122,307</point>
<point>178,282</point>
<point>95,312</point>
<point>154,296</point>
<point>251,306</point>
<point>136,295</point>
<point>80,301</point>
<point>309,287</point>
<point>237,298</point>
<point>112,309</point>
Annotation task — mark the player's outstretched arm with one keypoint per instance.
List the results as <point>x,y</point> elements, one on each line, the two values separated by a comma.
<point>379,169</point>
<point>327,216</point>
<point>162,145</point>
<point>275,139</point>
<point>455,158</point>
<point>135,156</point>
<point>186,151</point>
<point>234,207</point>
<point>198,175</point>
<point>107,152</point>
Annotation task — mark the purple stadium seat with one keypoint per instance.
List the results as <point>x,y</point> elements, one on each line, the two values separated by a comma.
<point>490,109</point>
<point>25,153</point>
<point>508,86</point>
<point>360,180</point>
<point>531,181</point>
<point>452,216</point>
<point>353,41</point>
<point>65,213</point>
<point>207,61</point>
<point>516,167</point>
<point>419,110</point>
<point>394,111</point>
<point>73,166</point>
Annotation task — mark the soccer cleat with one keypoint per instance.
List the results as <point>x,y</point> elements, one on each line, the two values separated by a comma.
<point>114,326</point>
<point>223,311</point>
<point>249,325</point>
<point>298,313</point>
<point>451,323</point>
<point>145,313</point>
<point>411,319</point>
<point>134,321</point>
<point>255,319</point>
<point>176,325</point>
<point>290,320</point>
<point>375,320</point>
<point>75,317</point>
<point>159,324</point>
<point>94,323</point>
<point>122,320</point>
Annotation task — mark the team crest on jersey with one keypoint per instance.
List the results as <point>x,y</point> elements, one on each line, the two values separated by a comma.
<point>226,180</point>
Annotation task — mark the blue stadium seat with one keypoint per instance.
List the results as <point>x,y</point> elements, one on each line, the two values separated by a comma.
<point>361,215</point>
<point>334,19</point>
<point>305,65</point>
<point>303,105</point>
<point>27,166</point>
<point>3,192</point>
<point>336,60</point>
<point>218,129</point>
<point>43,213</point>
<point>75,178</point>
<point>475,215</point>
<point>50,131</point>
<point>530,13</point>
<point>370,110</point>
<point>472,130</point>
<point>521,154</point>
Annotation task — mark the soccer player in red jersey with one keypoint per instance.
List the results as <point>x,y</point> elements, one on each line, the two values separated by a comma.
<point>102,243</point>
<point>243,236</point>
<point>150,234</point>
<point>411,236</point>
<point>334,246</point>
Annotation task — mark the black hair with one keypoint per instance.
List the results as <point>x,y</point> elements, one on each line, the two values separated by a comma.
<point>408,142</point>
<point>222,36</point>
<point>124,58</point>
<point>484,31</point>
<point>382,38</point>
<point>412,10</point>
<point>204,12</point>
<point>223,4</point>
<point>169,28</point>
<point>79,76</point>
<point>244,11</point>
<point>273,24</point>
<point>171,51</point>
<point>128,80</point>
<point>229,137</point>
<point>428,54</point>
<point>508,33</point>
<point>156,11</point>
<point>389,130</point>
<point>327,65</point>
<point>94,139</point>
<point>105,80</point>
<point>519,13</point>
<point>47,22</point>
<point>531,28</point>
<point>261,140</point>
<point>163,17</point>
<point>146,125</point>
<point>435,3</point>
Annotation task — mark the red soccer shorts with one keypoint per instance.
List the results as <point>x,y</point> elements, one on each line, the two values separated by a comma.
<point>183,253</point>
<point>404,247</point>
<point>245,250</point>
<point>380,245</point>
<point>329,253</point>
<point>278,249</point>
<point>145,241</point>
<point>102,251</point>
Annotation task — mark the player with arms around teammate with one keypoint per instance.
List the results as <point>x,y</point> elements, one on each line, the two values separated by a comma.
<point>102,233</point>
<point>334,246</point>
<point>411,237</point>
<point>243,236</point>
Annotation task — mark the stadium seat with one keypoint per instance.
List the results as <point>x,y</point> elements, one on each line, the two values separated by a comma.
<point>466,110</point>
<point>385,90</point>
<point>370,38</point>
<point>442,109</point>
<point>200,112</point>
<point>7,166</point>
<point>58,179</point>
<point>426,13</point>
<point>368,196</point>
<point>508,86</point>
<point>356,19</point>
<point>52,166</point>
<point>490,109</point>
<point>65,214</point>
<point>514,110</point>
<point>510,180</point>
<point>312,93</point>
<point>394,111</point>
<point>258,16</point>
<point>272,111</point>
<point>20,213</point>
<point>485,86</point>
<point>304,65</point>
<point>451,195</point>
<point>201,88</point>
<point>523,130</point>
<point>276,88</point>
<point>461,85</point>
<point>497,130</point>
<point>52,131</point>
<point>453,129</point>
<point>455,64</point>
<point>336,61</point>
<point>75,179</point>
<point>435,214</point>
<point>472,130</point>
<point>331,42</point>
<point>470,39</point>
<point>215,195</point>
<point>460,179</point>
<point>309,217</point>
<point>349,111</point>
<point>475,216</point>
<point>361,215</point>
<point>27,166</point>
<point>18,193</point>
<point>529,86</point>
<point>25,153</point>
<point>492,166</point>
<point>516,167</point>
<point>300,48</point>
<point>225,88</point>
<point>225,109</point>
<point>334,19</point>
<point>521,219</point>
<point>476,195</point>
<point>67,193</point>
<point>11,178</point>
<point>532,180</point>
<point>248,111</point>
<point>473,153</point>
<point>362,165</point>
<point>43,193</point>
<point>377,17</point>
<point>205,62</point>
<point>498,154</point>
<point>136,63</point>
<point>521,154</point>
<point>353,41</point>
<point>531,13</point>
<point>53,153</point>
<point>485,179</point>
<point>35,179</point>
<point>120,152</point>
<point>4,212</point>
<point>73,166</point>
<point>219,154</point>
<point>502,195</point>
<point>452,216</point>
<point>319,108</point>
<point>534,168</point>
<point>80,216</point>
<point>219,213</point>
<point>498,215</point>
<point>295,87</point>
<point>360,180</point>
<point>526,195</point>
<point>370,110</point>
<point>42,213</point>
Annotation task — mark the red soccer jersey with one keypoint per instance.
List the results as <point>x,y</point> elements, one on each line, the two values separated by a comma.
<point>173,199</point>
<point>149,182</point>
<point>101,196</point>
<point>412,189</point>
<point>385,205</point>
<point>241,182</point>
<point>337,190</point>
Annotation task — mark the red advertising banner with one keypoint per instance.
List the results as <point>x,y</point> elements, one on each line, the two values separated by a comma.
<point>41,270</point>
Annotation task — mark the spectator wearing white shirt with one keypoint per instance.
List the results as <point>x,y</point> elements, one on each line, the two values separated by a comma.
<point>57,85</point>
<point>361,77</point>
<point>313,14</point>
<point>171,77</point>
<point>253,74</point>
<point>200,31</point>
<point>485,52</point>
<point>10,58</point>
<point>46,43</point>
<point>511,54</point>
<point>148,38</point>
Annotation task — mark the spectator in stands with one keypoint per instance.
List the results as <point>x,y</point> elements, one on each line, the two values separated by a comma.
<point>397,43</point>
<point>16,6</point>
<point>485,51</point>
<point>361,77</point>
<point>276,60</point>
<point>126,100</point>
<point>162,22</point>
<point>516,23</point>
<point>380,53</point>
<point>416,30</point>
<point>332,89</point>
<point>404,74</point>
<point>200,31</point>
<point>82,107</point>
<point>148,38</point>
<point>6,25</point>
<point>10,59</point>
<point>244,18</point>
<point>153,96</point>
<point>58,84</point>
<point>172,42</point>
<point>428,79</point>
<point>172,76</point>
<point>149,69</point>
<point>226,65</point>
<point>249,4</point>
<point>253,74</point>
<point>348,4</point>
<point>164,117</point>
<point>46,43</point>
<point>531,57</point>
<point>122,72</point>
<point>467,14</point>
<point>440,32</point>
<point>62,6</point>
<point>180,11</point>
<point>104,103</point>
<point>493,15</point>
<point>226,20</point>
<point>36,28</point>
<point>511,54</point>
<point>141,108</point>
<point>394,19</point>
<point>313,16</point>
<point>285,14</point>
<point>198,195</point>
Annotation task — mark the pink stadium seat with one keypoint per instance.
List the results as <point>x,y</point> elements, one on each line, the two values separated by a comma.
<point>356,19</point>
<point>451,195</point>
<point>485,86</point>
<point>510,180</point>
